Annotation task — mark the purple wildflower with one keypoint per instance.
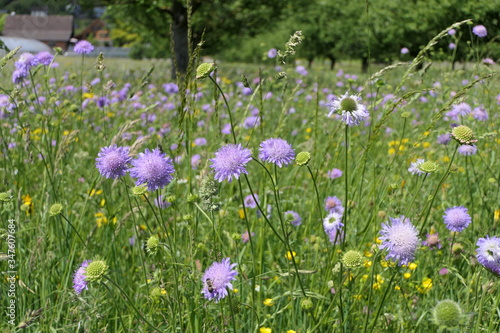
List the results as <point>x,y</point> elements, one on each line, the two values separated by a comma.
<point>195,161</point>
<point>272,53</point>
<point>335,236</point>
<point>200,141</point>
<point>405,50</point>
<point>400,238</point>
<point>171,88</point>
<point>83,47</point>
<point>277,151</point>
<point>461,109</point>
<point>467,150</point>
<point>334,205</point>
<point>452,32</point>
<point>332,221</point>
<point>334,173</point>
<point>79,282</point>
<point>230,161</point>
<point>293,217</point>
<point>480,113</point>
<point>452,46</point>
<point>26,61</point>
<point>153,168</point>
<point>112,161</point>
<point>245,237</point>
<point>352,111</point>
<point>250,202</point>
<point>19,75</point>
<point>44,58</point>
<point>480,31</point>
<point>432,241</point>
<point>444,139</point>
<point>217,278</point>
<point>162,202</point>
<point>456,218</point>
<point>251,122</point>
<point>488,253</point>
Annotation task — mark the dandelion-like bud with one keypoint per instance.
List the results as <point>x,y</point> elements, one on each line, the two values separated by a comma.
<point>55,209</point>
<point>352,259</point>
<point>428,167</point>
<point>463,134</point>
<point>139,190</point>
<point>96,270</point>
<point>205,70</point>
<point>302,158</point>
<point>155,293</point>
<point>152,244</point>
<point>447,313</point>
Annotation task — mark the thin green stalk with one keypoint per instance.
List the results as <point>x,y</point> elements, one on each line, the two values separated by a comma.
<point>228,108</point>
<point>346,185</point>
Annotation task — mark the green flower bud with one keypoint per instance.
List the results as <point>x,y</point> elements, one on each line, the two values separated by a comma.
<point>205,70</point>
<point>348,104</point>
<point>352,259</point>
<point>96,270</point>
<point>428,167</point>
<point>306,304</point>
<point>5,197</point>
<point>55,209</point>
<point>152,244</point>
<point>302,158</point>
<point>463,135</point>
<point>447,313</point>
<point>139,190</point>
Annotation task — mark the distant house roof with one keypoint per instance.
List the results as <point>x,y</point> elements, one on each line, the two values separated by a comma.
<point>27,45</point>
<point>46,28</point>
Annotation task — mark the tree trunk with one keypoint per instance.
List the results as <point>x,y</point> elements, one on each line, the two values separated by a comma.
<point>332,61</point>
<point>364,64</point>
<point>179,38</point>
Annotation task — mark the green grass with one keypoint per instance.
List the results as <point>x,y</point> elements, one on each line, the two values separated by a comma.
<point>53,161</point>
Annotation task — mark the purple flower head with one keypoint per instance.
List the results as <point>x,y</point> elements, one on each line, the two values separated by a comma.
<point>226,129</point>
<point>293,217</point>
<point>352,111</point>
<point>301,70</point>
<point>405,50</point>
<point>488,253</point>
<point>461,109</point>
<point>245,237</point>
<point>217,279</point>
<point>230,161</point>
<point>332,221</point>
<point>26,61</point>
<point>456,218</point>
<point>83,47</point>
<point>277,151</point>
<point>467,150</point>
<point>400,238</point>
<point>480,31</point>
<point>19,75</point>
<point>171,88</point>
<point>272,53</point>
<point>162,202</point>
<point>250,202</point>
<point>334,205</point>
<point>112,161</point>
<point>488,61</point>
<point>195,161</point>
<point>452,32</point>
<point>79,282</point>
<point>480,113</point>
<point>200,141</point>
<point>452,46</point>
<point>334,173</point>
<point>44,58</point>
<point>251,122</point>
<point>432,241</point>
<point>335,236</point>
<point>153,168</point>
<point>444,139</point>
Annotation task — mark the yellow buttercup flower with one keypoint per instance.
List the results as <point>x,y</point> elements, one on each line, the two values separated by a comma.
<point>290,255</point>
<point>265,330</point>
<point>268,302</point>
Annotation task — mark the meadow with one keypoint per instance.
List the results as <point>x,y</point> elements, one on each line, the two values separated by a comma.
<point>252,198</point>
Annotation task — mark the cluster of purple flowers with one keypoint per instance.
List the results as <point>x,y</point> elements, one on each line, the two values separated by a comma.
<point>152,167</point>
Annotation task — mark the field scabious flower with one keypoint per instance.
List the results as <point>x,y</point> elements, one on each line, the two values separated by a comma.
<point>352,111</point>
<point>456,218</point>
<point>488,253</point>
<point>112,161</point>
<point>467,150</point>
<point>332,221</point>
<point>334,205</point>
<point>153,168</point>
<point>480,31</point>
<point>83,47</point>
<point>230,161</point>
<point>334,173</point>
<point>277,151</point>
<point>432,241</point>
<point>293,217</point>
<point>414,167</point>
<point>79,281</point>
<point>44,58</point>
<point>217,278</point>
<point>400,238</point>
